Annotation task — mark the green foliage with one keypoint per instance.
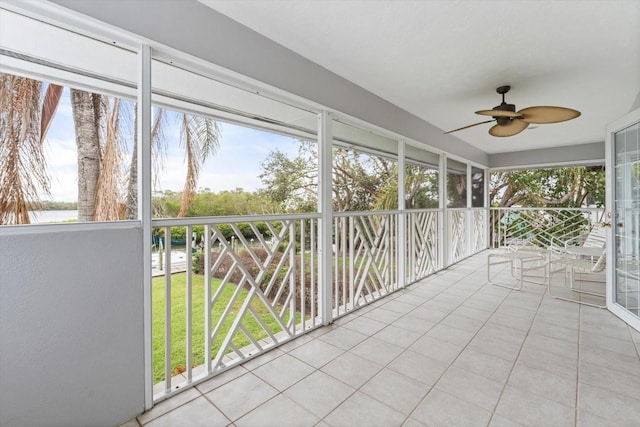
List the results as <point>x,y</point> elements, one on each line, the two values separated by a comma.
<point>208,203</point>
<point>421,189</point>
<point>291,183</point>
<point>361,182</point>
<point>560,187</point>
<point>59,206</point>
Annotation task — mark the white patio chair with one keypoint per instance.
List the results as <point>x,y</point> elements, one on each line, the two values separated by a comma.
<point>589,245</point>
<point>595,239</point>
<point>572,265</point>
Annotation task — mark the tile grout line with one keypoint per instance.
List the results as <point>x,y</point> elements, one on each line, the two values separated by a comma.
<point>575,420</point>
<point>172,409</point>
<point>506,382</point>
<point>636,345</point>
<point>201,394</point>
<point>406,349</point>
<point>463,347</point>
<point>426,332</point>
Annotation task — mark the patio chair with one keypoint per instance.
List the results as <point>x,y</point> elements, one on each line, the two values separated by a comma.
<point>595,238</point>
<point>589,245</point>
<point>572,265</point>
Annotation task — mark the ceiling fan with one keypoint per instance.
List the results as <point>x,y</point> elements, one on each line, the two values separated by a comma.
<point>510,122</point>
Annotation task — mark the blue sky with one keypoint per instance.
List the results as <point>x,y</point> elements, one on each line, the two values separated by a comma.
<point>236,163</point>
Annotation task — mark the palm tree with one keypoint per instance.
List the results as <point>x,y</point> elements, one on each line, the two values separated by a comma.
<point>157,136</point>
<point>24,120</point>
<point>99,162</point>
<point>200,137</point>
<point>87,115</point>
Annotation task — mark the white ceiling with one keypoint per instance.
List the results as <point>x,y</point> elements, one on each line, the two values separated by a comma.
<point>443,59</point>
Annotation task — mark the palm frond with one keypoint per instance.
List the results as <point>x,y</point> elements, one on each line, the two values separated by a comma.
<point>200,137</point>
<point>109,193</point>
<point>49,108</point>
<point>23,172</point>
<point>158,144</point>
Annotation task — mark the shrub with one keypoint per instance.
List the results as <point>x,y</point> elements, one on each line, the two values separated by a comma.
<point>226,267</point>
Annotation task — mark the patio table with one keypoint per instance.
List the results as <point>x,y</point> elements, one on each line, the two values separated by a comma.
<point>521,262</point>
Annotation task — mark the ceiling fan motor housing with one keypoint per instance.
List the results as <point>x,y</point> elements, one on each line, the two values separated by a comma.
<point>504,107</point>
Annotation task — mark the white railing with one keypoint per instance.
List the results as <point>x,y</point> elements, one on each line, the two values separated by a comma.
<point>259,285</point>
<point>457,235</point>
<point>244,285</point>
<point>365,258</point>
<point>540,226</point>
<point>422,243</point>
<point>257,289</point>
<point>479,230</point>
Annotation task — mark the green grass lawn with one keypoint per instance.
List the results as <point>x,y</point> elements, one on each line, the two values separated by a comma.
<point>178,321</point>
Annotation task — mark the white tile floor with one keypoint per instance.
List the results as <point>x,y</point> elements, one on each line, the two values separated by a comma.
<point>451,350</point>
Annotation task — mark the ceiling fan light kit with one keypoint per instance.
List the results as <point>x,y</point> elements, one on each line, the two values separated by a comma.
<point>510,122</point>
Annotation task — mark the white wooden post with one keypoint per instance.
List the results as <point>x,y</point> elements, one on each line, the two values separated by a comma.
<point>401,238</point>
<point>325,182</point>
<point>144,209</point>
<point>443,229</point>
<point>469,211</point>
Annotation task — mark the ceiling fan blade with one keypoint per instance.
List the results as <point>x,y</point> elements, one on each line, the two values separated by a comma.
<point>514,127</point>
<point>547,114</point>
<point>469,126</point>
<point>498,113</point>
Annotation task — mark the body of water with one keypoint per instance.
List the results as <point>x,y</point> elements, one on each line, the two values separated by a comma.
<point>41,217</point>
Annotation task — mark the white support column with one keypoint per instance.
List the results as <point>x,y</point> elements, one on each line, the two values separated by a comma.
<point>487,209</point>
<point>469,215</point>
<point>144,209</point>
<point>325,183</point>
<point>442,235</point>
<point>401,238</point>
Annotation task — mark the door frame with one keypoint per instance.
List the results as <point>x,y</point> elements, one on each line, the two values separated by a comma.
<point>611,129</point>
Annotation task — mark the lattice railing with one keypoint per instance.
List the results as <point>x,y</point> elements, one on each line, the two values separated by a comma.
<point>365,259</point>
<point>541,227</point>
<point>243,285</point>
<point>457,242</point>
<point>479,230</point>
<point>422,243</point>
<point>257,288</point>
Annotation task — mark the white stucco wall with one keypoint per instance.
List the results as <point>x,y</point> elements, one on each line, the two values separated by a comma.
<point>71,331</point>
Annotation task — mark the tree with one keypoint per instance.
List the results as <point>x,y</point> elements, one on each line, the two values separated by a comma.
<point>559,187</point>
<point>421,189</point>
<point>200,137</point>
<point>359,178</point>
<point>102,176</point>
<point>223,203</point>
<point>24,120</point>
<point>157,136</point>
<point>456,190</point>
<point>86,120</point>
<point>293,182</point>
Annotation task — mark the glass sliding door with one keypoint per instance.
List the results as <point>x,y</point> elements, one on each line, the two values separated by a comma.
<point>624,271</point>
